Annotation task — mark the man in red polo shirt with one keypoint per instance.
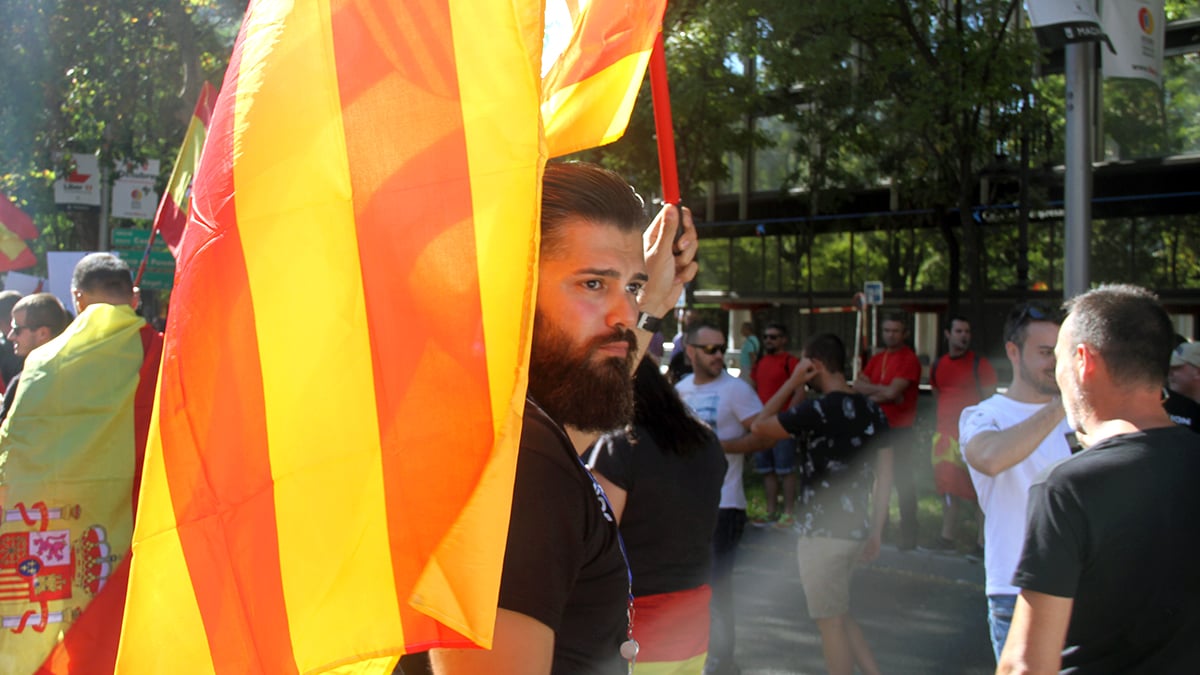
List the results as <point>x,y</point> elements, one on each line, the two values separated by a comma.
<point>891,379</point>
<point>961,378</point>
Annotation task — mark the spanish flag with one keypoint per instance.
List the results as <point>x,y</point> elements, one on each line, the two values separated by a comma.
<point>172,212</point>
<point>329,472</point>
<point>15,227</point>
<point>68,452</point>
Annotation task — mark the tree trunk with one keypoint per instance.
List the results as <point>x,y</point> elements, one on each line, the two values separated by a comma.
<point>954,263</point>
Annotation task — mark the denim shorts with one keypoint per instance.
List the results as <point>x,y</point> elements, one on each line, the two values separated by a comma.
<point>779,459</point>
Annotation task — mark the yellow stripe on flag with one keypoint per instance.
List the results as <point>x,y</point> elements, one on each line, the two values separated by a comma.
<point>163,582</point>
<point>309,304</point>
<point>504,152</point>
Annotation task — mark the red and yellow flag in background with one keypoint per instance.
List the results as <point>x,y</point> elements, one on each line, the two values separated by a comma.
<point>329,471</point>
<point>172,213</point>
<point>15,227</point>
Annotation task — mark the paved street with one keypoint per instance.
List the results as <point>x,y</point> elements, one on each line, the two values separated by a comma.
<point>922,612</point>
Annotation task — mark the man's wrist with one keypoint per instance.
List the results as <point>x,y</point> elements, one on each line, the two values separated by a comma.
<point>648,322</point>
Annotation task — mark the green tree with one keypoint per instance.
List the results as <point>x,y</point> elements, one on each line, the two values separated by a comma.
<point>117,77</point>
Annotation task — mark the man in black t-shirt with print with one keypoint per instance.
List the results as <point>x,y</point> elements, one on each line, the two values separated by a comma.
<point>1108,572</point>
<point>843,505</point>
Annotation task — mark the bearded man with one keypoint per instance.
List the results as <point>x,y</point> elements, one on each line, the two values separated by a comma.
<point>602,289</point>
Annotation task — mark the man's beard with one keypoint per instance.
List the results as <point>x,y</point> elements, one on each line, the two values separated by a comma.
<point>572,386</point>
<point>1043,385</point>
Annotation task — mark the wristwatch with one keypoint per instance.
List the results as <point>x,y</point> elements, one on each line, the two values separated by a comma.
<point>648,323</point>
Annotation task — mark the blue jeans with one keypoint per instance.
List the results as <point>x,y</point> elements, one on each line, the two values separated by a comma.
<point>1000,613</point>
<point>730,525</point>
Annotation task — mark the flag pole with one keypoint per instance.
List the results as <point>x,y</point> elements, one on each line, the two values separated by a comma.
<point>137,278</point>
<point>661,96</point>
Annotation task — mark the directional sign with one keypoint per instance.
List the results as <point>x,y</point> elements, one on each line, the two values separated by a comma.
<point>160,268</point>
<point>129,244</point>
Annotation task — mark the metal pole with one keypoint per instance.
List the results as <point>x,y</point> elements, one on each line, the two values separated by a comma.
<point>1077,190</point>
<point>102,243</point>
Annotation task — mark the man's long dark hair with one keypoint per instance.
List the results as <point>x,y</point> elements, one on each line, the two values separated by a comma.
<point>658,411</point>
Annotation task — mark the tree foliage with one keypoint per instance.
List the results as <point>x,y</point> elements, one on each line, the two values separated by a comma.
<point>117,78</point>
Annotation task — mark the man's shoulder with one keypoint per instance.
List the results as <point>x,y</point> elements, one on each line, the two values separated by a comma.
<point>1001,405</point>
<point>686,383</point>
<point>542,435</point>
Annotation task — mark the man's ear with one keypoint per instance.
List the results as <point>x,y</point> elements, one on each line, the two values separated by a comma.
<point>1086,362</point>
<point>1012,351</point>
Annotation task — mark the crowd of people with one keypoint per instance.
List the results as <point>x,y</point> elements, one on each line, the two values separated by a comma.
<point>629,500</point>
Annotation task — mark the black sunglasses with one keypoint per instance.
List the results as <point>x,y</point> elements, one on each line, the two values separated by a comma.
<point>1030,312</point>
<point>710,349</point>
<point>772,336</point>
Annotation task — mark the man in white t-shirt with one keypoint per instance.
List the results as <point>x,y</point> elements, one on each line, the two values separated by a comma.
<point>1007,440</point>
<point>729,406</point>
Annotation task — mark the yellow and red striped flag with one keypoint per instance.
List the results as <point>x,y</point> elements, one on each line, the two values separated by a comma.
<point>330,464</point>
<point>15,227</point>
<point>596,57</point>
<point>172,213</point>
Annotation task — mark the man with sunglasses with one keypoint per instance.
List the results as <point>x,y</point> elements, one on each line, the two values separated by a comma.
<point>729,406</point>
<point>1007,440</point>
<point>36,320</point>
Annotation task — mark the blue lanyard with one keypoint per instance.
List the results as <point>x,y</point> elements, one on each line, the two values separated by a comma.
<point>629,648</point>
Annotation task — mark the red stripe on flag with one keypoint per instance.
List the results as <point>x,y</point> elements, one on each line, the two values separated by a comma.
<point>223,499</point>
<point>610,32</point>
<point>406,235</point>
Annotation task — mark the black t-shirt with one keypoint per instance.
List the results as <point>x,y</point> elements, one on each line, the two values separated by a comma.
<point>842,432</point>
<point>562,563</point>
<point>1117,528</point>
<point>670,507</point>
<point>1183,411</point>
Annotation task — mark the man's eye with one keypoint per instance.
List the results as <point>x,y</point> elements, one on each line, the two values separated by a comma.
<point>635,289</point>
<point>593,284</point>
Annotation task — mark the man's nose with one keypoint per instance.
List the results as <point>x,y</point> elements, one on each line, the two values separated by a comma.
<point>623,312</point>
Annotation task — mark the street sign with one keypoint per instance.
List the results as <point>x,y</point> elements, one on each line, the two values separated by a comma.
<point>873,290</point>
<point>82,186</point>
<point>129,244</point>
<point>127,237</point>
<point>160,268</point>
<point>133,194</point>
